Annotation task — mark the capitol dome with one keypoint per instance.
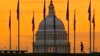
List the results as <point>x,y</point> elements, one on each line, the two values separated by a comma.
<point>48,39</point>
<point>49,23</point>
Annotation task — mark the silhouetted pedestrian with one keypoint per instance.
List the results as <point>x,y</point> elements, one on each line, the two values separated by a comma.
<point>82,47</point>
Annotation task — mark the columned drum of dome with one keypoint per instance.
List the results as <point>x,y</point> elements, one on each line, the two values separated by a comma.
<point>61,45</point>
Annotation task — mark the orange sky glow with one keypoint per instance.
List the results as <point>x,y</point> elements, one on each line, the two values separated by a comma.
<point>26,14</point>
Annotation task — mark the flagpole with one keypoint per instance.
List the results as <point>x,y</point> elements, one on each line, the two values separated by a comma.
<point>10,38</point>
<point>68,34</point>
<point>67,17</point>
<point>89,11</point>
<point>68,22</point>
<point>18,18</point>
<point>44,27</point>
<point>10,31</point>
<point>33,41</point>
<point>74,41</point>
<point>68,30</point>
<point>45,35</point>
<point>54,26</point>
<point>19,34</point>
<point>74,32</point>
<point>90,35</point>
<point>33,27</point>
<point>93,39</point>
<point>94,32</point>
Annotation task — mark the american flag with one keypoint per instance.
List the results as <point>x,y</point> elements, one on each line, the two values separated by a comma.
<point>67,12</point>
<point>93,21</point>
<point>54,21</point>
<point>10,20</point>
<point>89,11</point>
<point>44,11</point>
<point>18,10</point>
<point>74,20</point>
<point>33,25</point>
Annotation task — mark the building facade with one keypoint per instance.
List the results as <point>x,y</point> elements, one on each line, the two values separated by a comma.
<point>49,40</point>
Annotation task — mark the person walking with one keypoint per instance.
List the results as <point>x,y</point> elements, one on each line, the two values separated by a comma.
<point>82,47</point>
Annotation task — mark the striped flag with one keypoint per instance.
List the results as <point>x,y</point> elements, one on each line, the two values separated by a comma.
<point>67,12</point>
<point>33,25</point>
<point>18,10</point>
<point>10,21</point>
<point>44,11</point>
<point>93,21</point>
<point>44,14</point>
<point>74,20</point>
<point>89,11</point>
<point>54,21</point>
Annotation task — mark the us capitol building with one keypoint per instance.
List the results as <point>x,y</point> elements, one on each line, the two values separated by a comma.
<point>48,43</point>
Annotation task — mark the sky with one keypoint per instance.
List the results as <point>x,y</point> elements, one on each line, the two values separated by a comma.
<point>26,13</point>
